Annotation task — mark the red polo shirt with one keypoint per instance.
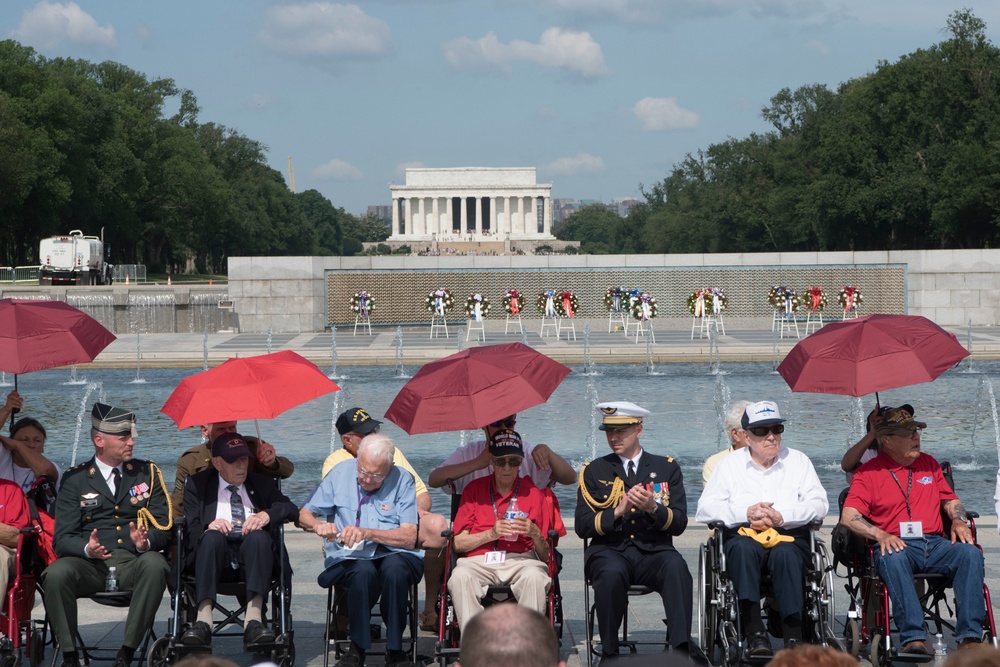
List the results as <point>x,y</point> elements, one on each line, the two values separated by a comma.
<point>476,513</point>
<point>877,495</point>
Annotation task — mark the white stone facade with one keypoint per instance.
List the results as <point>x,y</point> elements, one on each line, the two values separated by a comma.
<point>471,204</point>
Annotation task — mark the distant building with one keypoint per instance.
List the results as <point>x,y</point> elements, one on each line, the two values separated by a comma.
<point>623,205</point>
<point>383,213</point>
<point>563,208</point>
<point>471,204</point>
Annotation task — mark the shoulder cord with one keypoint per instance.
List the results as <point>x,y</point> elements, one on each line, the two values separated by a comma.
<point>617,493</point>
<point>144,517</point>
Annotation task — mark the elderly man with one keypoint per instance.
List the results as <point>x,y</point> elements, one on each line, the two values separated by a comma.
<point>230,516</point>
<point>509,635</point>
<point>371,530</point>
<point>353,425</point>
<point>630,504</point>
<point>472,461</point>
<point>759,492</point>
<point>496,550</point>
<point>896,500</point>
<point>111,511</point>
<point>263,460</point>
<point>734,431</point>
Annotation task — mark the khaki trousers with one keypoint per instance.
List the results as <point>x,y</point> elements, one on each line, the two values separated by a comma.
<point>7,561</point>
<point>527,576</point>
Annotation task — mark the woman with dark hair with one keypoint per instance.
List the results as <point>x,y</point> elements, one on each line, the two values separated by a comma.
<point>21,458</point>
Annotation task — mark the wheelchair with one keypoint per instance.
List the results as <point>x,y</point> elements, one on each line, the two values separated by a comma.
<point>869,624</point>
<point>719,625</point>
<point>20,638</point>
<point>447,647</point>
<point>168,649</point>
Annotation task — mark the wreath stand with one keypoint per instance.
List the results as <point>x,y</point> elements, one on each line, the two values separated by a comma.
<point>851,314</point>
<point>365,322</point>
<point>615,318</point>
<point>546,324</point>
<point>640,330</point>
<point>787,324</point>
<point>814,320</point>
<point>476,325</point>
<point>439,322</point>
<point>512,318</point>
<point>703,325</point>
<point>720,324</point>
<point>560,327</point>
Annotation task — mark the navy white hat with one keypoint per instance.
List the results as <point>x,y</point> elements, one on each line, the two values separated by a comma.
<point>620,414</point>
<point>113,421</point>
<point>761,413</point>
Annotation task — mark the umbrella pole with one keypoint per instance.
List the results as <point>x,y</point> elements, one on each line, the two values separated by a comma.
<point>256,427</point>
<point>13,411</point>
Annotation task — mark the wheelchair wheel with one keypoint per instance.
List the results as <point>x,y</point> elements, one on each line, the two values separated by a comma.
<point>880,654</point>
<point>285,656</point>
<point>12,659</point>
<point>36,648</point>
<point>707,614</point>
<point>852,637</point>
<point>159,653</point>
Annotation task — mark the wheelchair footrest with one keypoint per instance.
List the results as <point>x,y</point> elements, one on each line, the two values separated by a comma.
<point>911,658</point>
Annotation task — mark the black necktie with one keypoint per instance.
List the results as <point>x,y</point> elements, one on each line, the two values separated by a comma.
<point>631,473</point>
<point>116,480</point>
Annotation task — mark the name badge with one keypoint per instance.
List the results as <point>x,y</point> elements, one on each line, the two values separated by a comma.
<point>494,558</point>
<point>911,529</point>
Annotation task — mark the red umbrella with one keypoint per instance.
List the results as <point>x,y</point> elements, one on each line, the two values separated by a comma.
<point>475,387</point>
<point>260,387</point>
<point>35,335</point>
<point>871,354</point>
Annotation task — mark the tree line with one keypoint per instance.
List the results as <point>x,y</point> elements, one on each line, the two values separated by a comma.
<point>907,157</point>
<point>87,146</point>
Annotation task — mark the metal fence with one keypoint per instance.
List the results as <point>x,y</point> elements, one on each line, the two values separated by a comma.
<point>136,272</point>
<point>19,274</point>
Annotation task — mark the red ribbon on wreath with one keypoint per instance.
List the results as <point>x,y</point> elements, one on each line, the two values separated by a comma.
<point>815,294</point>
<point>514,298</point>
<point>566,305</point>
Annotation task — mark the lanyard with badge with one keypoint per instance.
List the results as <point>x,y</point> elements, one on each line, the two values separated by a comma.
<point>909,528</point>
<point>362,499</point>
<point>498,557</point>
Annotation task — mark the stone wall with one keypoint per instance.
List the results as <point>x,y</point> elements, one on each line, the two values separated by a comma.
<point>290,294</point>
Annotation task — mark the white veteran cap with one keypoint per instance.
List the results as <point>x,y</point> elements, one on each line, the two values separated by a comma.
<point>620,414</point>
<point>761,413</point>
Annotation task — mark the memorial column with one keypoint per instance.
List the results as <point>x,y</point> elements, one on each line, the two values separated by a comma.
<point>449,215</point>
<point>531,226</point>
<point>479,215</point>
<point>463,216</point>
<point>547,215</point>
<point>436,216</point>
<point>395,216</point>
<point>493,216</point>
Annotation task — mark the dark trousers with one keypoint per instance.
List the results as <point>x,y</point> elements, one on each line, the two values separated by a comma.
<point>611,572</point>
<point>386,579</point>
<point>71,577</point>
<point>746,560</point>
<point>255,555</point>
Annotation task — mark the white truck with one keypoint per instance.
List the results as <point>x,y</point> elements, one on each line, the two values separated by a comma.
<point>73,259</point>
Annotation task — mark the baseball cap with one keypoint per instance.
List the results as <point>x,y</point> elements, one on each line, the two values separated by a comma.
<point>356,420</point>
<point>761,413</point>
<point>231,447</point>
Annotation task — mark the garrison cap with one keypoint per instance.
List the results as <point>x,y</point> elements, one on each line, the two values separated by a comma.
<point>112,420</point>
<point>620,414</point>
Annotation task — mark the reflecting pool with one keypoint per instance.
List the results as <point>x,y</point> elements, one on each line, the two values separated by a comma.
<point>685,399</point>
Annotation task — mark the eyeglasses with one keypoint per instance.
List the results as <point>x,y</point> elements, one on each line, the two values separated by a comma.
<point>375,477</point>
<point>506,423</point>
<point>762,431</point>
<point>512,462</point>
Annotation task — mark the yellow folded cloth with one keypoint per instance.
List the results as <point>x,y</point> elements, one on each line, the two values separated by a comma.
<point>768,538</point>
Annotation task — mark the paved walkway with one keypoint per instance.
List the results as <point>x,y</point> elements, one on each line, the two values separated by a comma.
<point>754,342</point>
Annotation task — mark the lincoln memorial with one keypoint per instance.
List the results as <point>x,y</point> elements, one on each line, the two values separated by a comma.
<point>471,204</point>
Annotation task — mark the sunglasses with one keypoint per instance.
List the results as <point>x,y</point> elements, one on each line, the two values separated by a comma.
<point>512,462</point>
<point>761,431</point>
<point>506,423</point>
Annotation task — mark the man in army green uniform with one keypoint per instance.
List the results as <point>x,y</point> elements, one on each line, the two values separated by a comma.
<point>110,512</point>
<point>263,460</point>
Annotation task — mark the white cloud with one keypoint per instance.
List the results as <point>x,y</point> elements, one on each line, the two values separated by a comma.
<point>403,166</point>
<point>337,170</point>
<point>324,30</point>
<point>51,24</point>
<point>663,113</point>
<point>569,51</point>
<point>581,163</point>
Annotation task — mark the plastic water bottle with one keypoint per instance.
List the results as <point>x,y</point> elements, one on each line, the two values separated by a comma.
<point>940,650</point>
<point>111,583</point>
<point>510,515</point>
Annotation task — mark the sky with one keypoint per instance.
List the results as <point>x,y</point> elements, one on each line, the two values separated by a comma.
<point>603,97</point>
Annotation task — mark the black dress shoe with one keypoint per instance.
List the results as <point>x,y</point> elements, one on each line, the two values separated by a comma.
<point>759,646</point>
<point>397,659</point>
<point>120,662</point>
<point>70,662</point>
<point>257,633</point>
<point>354,657</point>
<point>199,634</point>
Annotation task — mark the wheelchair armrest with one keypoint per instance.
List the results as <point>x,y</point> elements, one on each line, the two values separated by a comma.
<point>717,525</point>
<point>972,515</point>
<point>448,533</point>
<point>30,530</point>
<point>816,524</point>
<point>553,534</point>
